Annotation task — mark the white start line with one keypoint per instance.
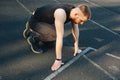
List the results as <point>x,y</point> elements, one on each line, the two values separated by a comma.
<point>52,75</point>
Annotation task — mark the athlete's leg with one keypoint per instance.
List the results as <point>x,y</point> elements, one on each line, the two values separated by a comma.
<point>31,36</point>
<point>39,34</point>
<point>32,22</point>
<point>46,34</point>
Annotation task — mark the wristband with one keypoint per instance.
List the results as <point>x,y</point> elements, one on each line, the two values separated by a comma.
<point>58,59</point>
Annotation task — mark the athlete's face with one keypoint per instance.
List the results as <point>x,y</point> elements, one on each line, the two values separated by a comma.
<point>79,18</point>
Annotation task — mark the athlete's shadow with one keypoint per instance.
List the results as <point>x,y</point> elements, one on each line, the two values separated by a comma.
<point>95,38</point>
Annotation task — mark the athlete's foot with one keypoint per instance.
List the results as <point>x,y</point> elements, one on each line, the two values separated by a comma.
<point>26,31</point>
<point>34,46</point>
<point>57,64</point>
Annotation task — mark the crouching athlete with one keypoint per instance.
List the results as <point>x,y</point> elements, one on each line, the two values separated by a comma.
<point>46,27</point>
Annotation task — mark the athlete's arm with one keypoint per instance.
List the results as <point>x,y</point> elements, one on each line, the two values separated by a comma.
<point>75,33</point>
<point>60,18</point>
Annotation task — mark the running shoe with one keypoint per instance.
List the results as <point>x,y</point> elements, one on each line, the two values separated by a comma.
<point>26,31</point>
<point>34,45</point>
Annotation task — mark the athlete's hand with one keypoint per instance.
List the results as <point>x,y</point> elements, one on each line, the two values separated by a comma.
<point>57,64</point>
<point>77,51</point>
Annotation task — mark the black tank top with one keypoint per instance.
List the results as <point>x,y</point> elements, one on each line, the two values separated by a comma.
<point>46,12</point>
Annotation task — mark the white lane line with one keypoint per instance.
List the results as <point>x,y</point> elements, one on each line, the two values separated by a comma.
<point>92,62</point>
<point>105,28</point>
<point>89,20</point>
<point>98,23</point>
<point>108,54</point>
<point>57,1</point>
<point>54,74</point>
<point>22,5</point>
<point>100,6</point>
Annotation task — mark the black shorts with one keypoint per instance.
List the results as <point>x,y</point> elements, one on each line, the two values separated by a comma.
<point>45,32</point>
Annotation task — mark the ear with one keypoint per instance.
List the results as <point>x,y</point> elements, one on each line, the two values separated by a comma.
<point>76,14</point>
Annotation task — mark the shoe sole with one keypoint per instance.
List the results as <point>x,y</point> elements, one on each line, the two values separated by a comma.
<point>25,30</point>
<point>32,47</point>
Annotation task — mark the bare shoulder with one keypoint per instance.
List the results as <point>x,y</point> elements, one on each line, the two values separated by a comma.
<point>60,14</point>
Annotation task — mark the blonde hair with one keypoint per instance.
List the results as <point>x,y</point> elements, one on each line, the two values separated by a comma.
<point>85,10</point>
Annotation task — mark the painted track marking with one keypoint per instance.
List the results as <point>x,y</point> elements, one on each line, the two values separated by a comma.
<point>97,5</point>
<point>22,5</point>
<point>108,54</point>
<point>105,28</point>
<point>54,74</point>
<point>100,24</point>
<point>92,62</point>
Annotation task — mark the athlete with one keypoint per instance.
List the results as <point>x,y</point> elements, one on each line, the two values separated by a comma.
<point>46,26</point>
